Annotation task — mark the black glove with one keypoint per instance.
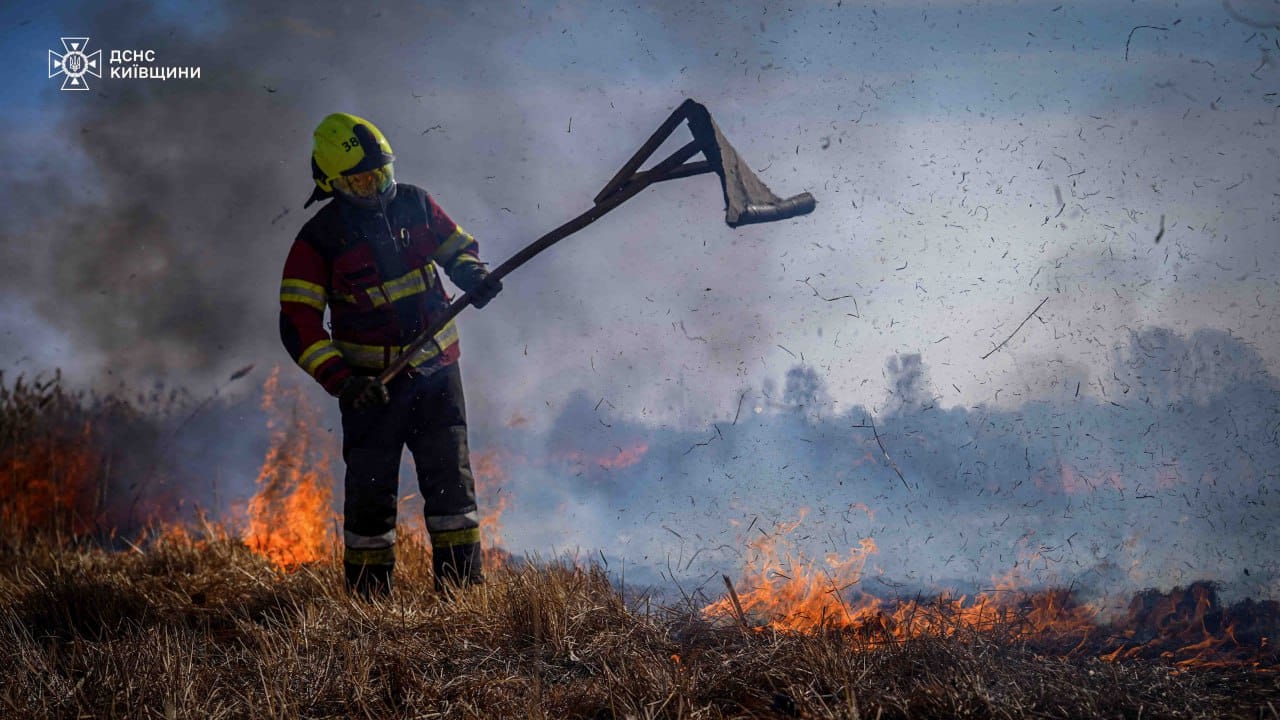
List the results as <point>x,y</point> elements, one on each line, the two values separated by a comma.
<point>360,392</point>
<point>483,288</point>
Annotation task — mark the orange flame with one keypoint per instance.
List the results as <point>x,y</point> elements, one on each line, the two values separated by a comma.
<point>623,458</point>
<point>491,477</point>
<point>290,517</point>
<point>797,594</point>
<point>794,592</point>
<point>49,483</point>
<point>1187,626</point>
<point>1190,627</point>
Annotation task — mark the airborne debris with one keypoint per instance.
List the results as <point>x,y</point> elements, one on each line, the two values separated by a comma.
<point>871,423</point>
<point>830,299</point>
<point>1015,330</point>
<point>1130,38</point>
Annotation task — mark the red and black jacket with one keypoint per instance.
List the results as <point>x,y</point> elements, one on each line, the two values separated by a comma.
<point>377,274</point>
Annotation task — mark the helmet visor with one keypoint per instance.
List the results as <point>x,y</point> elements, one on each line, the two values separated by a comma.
<point>366,185</point>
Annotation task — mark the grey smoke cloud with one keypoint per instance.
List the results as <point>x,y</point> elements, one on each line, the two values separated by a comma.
<point>1169,481</point>
<point>178,200</point>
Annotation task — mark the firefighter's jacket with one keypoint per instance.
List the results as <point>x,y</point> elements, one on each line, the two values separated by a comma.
<point>377,275</point>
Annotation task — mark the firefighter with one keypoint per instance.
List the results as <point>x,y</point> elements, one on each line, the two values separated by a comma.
<point>371,256</point>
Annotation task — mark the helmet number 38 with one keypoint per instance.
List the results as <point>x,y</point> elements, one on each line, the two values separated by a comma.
<point>352,159</point>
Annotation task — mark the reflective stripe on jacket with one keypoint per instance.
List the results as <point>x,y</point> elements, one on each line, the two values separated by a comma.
<point>376,274</point>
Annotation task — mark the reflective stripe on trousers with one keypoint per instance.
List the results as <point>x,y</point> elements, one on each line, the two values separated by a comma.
<point>427,414</point>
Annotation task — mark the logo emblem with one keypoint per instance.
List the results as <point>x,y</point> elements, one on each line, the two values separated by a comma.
<point>75,64</point>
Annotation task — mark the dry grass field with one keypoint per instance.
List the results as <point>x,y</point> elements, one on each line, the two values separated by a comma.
<point>187,619</point>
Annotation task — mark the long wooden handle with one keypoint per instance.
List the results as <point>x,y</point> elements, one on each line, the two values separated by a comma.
<point>638,182</point>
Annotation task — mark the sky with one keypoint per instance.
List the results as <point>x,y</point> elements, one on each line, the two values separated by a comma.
<point>1113,164</point>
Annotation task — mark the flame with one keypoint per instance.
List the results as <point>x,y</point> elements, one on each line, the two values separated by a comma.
<point>1189,627</point>
<point>291,515</point>
<point>622,458</point>
<point>491,477</point>
<point>48,482</point>
<point>54,478</point>
<point>794,592</point>
<point>1192,628</point>
<point>625,457</point>
<point>1075,482</point>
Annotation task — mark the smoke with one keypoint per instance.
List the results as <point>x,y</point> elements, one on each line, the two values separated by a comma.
<point>1165,479</point>
<point>1262,14</point>
<point>968,161</point>
<point>149,242</point>
<point>151,221</point>
<point>908,381</point>
<point>153,240</point>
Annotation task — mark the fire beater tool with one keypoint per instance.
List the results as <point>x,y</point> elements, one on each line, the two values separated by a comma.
<point>747,201</point>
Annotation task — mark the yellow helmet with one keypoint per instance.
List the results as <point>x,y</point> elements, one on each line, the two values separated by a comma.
<point>351,158</point>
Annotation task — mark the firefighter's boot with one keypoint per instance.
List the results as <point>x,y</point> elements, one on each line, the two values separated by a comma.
<point>456,567</point>
<point>369,582</point>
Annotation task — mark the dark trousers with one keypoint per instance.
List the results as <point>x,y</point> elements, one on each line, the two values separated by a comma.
<point>427,414</point>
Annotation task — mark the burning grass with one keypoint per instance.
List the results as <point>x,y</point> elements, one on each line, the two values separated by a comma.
<point>198,619</point>
<point>290,517</point>
<point>204,627</point>
<point>75,464</point>
<point>1189,626</point>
